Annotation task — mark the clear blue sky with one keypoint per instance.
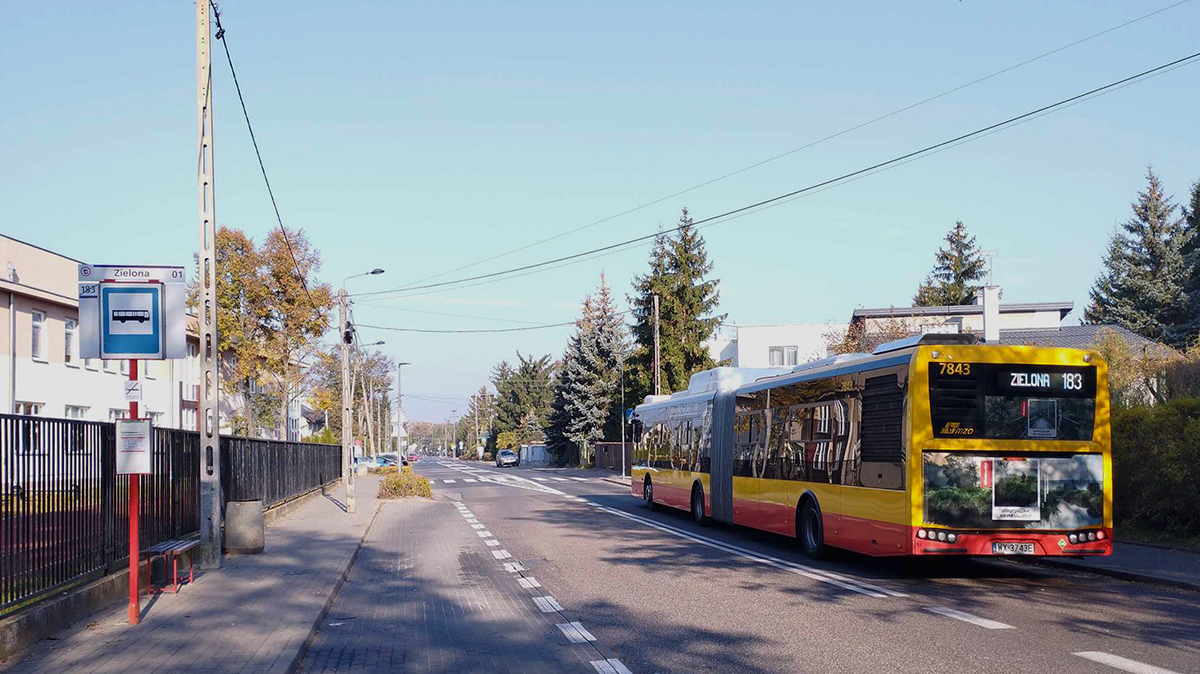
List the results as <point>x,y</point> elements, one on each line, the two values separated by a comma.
<point>419,137</point>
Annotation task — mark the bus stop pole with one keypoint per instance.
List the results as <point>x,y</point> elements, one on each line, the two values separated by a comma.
<point>135,610</point>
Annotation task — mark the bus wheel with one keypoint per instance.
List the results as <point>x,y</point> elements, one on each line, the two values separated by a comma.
<point>811,532</point>
<point>698,507</point>
<point>648,494</point>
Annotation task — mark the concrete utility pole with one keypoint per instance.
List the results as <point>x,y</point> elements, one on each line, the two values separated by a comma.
<point>210,413</point>
<point>657,387</point>
<point>347,400</point>
<point>622,365</point>
<point>400,405</point>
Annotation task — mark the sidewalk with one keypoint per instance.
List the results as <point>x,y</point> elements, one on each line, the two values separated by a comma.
<point>1143,563</point>
<point>253,616</point>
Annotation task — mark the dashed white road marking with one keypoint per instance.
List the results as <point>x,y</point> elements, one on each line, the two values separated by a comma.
<point>547,604</point>
<point>575,633</point>
<point>541,479</point>
<point>968,618</point>
<point>513,567</point>
<point>448,481</point>
<point>529,582</point>
<point>501,554</point>
<point>610,666</point>
<point>580,479</point>
<point>492,542</point>
<point>484,534</point>
<point>478,526</point>
<point>469,479</point>
<point>1124,664</point>
<point>561,479</point>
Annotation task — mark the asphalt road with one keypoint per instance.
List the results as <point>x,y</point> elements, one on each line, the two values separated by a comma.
<point>667,595</point>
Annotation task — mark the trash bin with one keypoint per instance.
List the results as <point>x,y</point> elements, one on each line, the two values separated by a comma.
<point>244,528</point>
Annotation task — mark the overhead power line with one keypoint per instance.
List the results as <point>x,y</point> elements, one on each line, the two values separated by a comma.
<point>220,35</point>
<point>806,146</point>
<point>479,330</point>
<point>904,158</point>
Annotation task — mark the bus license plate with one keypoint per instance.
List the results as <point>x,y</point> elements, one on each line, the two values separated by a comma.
<point>1012,548</point>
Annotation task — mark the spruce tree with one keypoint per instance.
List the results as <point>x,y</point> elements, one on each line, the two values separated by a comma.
<point>588,377</point>
<point>679,267</point>
<point>1142,285</point>
<point>1191,258</point>
<point>958,270</point>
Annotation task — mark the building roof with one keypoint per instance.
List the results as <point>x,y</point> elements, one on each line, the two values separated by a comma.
<point>1081,337</point>
<point>1063,308</point>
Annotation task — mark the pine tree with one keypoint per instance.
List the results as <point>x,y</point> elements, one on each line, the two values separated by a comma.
<point>1191,258</point>
<point>957,272</point>
<point>523,390</point>
<point>1142,285</point>
<point>679,267</point>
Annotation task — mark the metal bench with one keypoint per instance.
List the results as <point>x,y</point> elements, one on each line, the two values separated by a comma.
<point>173,549</point>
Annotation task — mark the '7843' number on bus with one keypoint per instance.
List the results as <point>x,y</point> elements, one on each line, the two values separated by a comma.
<point>961,369</point>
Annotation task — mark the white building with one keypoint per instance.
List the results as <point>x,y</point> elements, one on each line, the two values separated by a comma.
<point>772,345</point>
<point>43,375</point>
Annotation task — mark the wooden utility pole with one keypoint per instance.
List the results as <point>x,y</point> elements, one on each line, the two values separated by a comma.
<point>657,387</point>
<point>210,386</point>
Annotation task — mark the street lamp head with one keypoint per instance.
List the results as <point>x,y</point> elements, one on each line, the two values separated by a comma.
<point>379,343</point>
<point>399,364</point>
<point>375,272</point>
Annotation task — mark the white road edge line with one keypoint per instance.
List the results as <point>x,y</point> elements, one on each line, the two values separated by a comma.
<point>808,572</point>
<point>1124,664</point>
<point>575,632</point>
<point>529,582</point>
<point>968,618</point>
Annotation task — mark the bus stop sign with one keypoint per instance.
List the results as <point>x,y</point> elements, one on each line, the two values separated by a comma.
<point>132,312</point>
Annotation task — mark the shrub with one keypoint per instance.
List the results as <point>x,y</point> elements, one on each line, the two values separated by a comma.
<point>384,470</point>
<point>1156,467</point>
<point>404,484</point>
<point>406,469</point>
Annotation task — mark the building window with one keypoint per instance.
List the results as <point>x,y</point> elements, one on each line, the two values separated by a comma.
<point>125,367</point>
<point>91,363</point>
<point>70,345</point>
<point>116,414</point>
<point>783,356</point>
<point>110,365</point>
<point>27,409</point>
<point>76,412</point>
<point>149,367</point>
<point>189,419</point>
<point>155,418</point>
<point>38,336</point>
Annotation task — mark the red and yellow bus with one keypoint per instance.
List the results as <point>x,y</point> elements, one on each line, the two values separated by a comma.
<point>933,445</point>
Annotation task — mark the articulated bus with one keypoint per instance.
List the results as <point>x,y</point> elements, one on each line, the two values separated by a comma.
<point>931,445</point>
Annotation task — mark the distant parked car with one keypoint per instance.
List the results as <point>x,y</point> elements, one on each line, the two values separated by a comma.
<point>388,459</point>
<point>507,457</point>
<point>412,458</point>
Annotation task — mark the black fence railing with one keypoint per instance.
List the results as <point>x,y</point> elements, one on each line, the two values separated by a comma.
<point>64,512</point>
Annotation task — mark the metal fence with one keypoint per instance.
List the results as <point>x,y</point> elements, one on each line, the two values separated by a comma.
<point>64,514</point>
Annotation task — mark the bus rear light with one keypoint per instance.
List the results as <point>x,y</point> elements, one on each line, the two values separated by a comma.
<point>942,536</point>
<point>1091,535</point>
<point>1073,538</point>
<point>951,537</point>
<point>920,533</point>
<point>1099,535</point>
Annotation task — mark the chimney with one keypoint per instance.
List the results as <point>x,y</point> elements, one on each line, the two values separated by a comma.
<point>991,314</point>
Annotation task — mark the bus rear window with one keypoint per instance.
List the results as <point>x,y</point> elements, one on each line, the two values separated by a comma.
<point>1012,401</point>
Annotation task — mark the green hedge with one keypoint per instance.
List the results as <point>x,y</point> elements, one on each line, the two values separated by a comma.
<point>1156,467</point>
<point>404,483</point>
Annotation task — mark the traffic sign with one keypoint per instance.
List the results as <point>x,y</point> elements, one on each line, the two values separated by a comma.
<point>132,312</point>
<point>133,391</point>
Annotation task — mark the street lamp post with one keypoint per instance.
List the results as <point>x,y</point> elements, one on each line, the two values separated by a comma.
<point>347,333</point>
<point>400,406</point>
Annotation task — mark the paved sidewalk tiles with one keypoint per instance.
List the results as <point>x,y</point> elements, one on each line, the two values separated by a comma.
<point>251,617</point>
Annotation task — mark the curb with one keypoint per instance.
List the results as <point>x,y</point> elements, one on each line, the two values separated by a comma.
<point>294,665</point>
<point>1131,576</point>
<point>613,480</point>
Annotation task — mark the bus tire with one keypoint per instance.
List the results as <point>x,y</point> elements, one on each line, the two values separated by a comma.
<point>698,506</point>
<point>810,529</point>
<point>648,494</point>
